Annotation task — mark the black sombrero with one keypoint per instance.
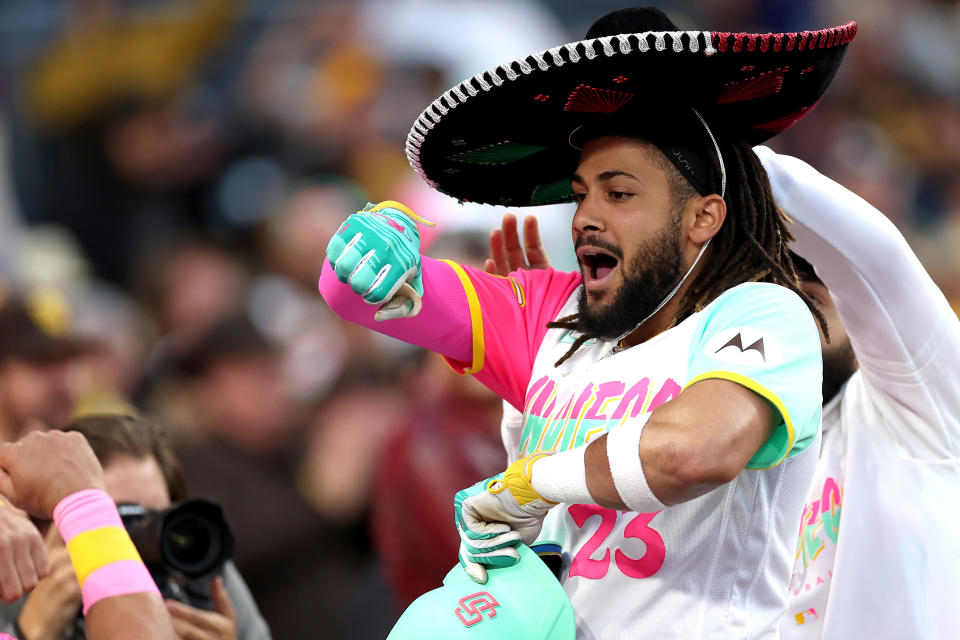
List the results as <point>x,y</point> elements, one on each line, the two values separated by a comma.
<point>503,136</point>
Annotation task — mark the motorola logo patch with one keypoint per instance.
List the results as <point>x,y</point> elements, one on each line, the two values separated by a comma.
<point>744,346</point>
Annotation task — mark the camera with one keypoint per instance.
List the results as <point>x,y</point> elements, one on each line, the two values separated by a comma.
<point>183,546</point>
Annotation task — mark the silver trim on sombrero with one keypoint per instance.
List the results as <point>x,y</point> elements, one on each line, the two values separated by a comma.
<point>486,80</point>
<point>723,169</point>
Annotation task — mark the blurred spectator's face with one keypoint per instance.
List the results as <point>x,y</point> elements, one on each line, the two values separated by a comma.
<point>242,399</point>
<point>199,287</point>
<point>138,480</point>
<point>34,395</point>
<point>304,227</point>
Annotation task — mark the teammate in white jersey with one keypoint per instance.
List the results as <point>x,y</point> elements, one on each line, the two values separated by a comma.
<point>670,391</point>
<point>877,556</point>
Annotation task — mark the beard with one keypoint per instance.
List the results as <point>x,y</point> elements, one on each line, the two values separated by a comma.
<point>653,272</point>
<point>839,363</point>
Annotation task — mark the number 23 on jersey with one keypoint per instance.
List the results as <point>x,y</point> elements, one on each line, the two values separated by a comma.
<point>638,527</point>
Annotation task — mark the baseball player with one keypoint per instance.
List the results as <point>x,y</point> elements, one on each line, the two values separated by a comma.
<point>891,419</point>
<point>877,556</point>
<point>670,390</point>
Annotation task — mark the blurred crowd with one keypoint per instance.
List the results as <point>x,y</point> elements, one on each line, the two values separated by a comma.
<point>173,169</point>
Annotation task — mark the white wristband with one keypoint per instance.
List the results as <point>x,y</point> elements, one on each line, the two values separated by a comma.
<point>562,477</point>
<point>623,453</point>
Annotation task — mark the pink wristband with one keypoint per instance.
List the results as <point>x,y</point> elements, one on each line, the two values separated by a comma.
<point>85,510</point>
<point>93,509</point>
<point>117,579</point>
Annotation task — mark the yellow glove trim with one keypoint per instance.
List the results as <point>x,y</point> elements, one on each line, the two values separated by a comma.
<point>517,479</point>
<point>96,548</point>
<point>393,204</point>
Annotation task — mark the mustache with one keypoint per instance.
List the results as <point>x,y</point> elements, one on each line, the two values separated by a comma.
<point>600,243</point>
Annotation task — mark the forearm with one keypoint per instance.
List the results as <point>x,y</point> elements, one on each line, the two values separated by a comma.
<point>443,324</point>
<point>865,262</point>
<point>688,447</point>
<point>119,595</point>
<point>139,615</point>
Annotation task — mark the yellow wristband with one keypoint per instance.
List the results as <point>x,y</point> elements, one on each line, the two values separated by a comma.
<point>96,548</point>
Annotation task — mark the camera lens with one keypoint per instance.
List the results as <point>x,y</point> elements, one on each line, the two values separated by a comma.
<point>195,539</point>
<point>189,540</point>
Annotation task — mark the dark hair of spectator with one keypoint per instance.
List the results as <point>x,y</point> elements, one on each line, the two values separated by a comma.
<point>112,435</point>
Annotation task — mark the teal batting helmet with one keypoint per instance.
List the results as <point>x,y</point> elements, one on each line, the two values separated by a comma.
<point>524,601</point>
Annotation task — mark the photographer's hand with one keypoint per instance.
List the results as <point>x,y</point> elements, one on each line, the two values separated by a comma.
<point>196,624</point>
<point>56,600</point>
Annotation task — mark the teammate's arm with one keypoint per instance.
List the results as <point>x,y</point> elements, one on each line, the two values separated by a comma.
<point>48,474</point>
<point>901,326</point>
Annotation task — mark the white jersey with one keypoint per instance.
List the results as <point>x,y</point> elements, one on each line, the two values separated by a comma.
<point>877,556</point>
<point>714,567</point>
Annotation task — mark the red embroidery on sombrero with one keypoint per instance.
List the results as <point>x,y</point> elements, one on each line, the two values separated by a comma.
<point>765,84</point>
<point>822,39</point>
<point>785,122</point>
<point>591,99</point>
<point>722,37</point>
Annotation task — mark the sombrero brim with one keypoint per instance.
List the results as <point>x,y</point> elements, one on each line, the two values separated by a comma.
<point>501,137</point>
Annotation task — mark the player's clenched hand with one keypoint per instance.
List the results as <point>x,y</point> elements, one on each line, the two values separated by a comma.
<point>376,251</point>
<point>495,515</point>
<point>506,252</point>
<point>23,560</point>
<point>41,469</point>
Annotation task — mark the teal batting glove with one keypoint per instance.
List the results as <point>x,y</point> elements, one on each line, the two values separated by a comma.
<point>377,252</point>
<point>496,515</point>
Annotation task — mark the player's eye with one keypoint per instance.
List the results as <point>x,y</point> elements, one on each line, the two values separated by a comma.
<point>620,195</point>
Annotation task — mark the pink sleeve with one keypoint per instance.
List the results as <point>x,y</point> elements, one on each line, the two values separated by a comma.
<point>443,325</point>
<point>509,323</point>
<point>484,325</point>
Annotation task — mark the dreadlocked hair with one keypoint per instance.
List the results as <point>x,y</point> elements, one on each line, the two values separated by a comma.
<point>752,245</point>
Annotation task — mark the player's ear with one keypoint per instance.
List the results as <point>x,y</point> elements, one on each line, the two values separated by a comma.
<point>708,215</point>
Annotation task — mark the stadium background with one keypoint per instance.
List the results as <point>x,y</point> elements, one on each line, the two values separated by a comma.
<point>172,170</point>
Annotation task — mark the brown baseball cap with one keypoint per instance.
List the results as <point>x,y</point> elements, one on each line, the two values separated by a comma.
<point>36,327</point>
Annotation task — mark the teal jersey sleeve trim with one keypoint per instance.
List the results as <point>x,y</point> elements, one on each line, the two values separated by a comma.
<point>764,337</point>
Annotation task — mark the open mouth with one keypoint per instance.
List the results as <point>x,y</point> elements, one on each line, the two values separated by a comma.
<point>596,264</point>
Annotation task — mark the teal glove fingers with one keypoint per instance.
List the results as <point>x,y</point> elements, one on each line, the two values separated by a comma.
<point>491,544</point>
<point>377,250</point>
<point>475,564</point>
